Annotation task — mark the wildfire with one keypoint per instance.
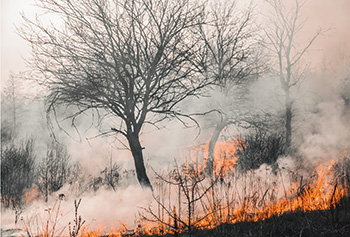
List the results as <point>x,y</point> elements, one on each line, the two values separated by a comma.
<point>234,196</point>
<point>321,191</point>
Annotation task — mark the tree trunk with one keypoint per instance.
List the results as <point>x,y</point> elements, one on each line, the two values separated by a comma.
<point>288,105</point>
<point>136,150</point>
<point>214,137</point>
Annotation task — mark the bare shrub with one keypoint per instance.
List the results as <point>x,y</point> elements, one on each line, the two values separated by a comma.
<point>17,174</point>
<point>184,210</point>
<point>260,147</point>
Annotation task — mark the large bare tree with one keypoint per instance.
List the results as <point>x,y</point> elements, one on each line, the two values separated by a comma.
<point>128,58</point>
<point>282,34</point>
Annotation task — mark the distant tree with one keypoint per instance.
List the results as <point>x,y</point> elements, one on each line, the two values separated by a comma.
<point>345,94</point>
<point>54,169</point>
<point>11,105</point>
<point>231,61</point>
<point>131,59</point>
<point>345,85</point>
<point>282,31</point>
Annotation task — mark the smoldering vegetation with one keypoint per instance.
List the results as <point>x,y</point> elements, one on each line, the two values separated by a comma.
<point>230,133</point>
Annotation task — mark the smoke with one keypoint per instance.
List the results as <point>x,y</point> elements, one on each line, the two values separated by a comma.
<point>111,208</point>
<point>329,128</point>
<point>104,210</point>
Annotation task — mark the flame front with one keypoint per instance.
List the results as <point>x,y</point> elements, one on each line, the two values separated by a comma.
<point>237,197</point>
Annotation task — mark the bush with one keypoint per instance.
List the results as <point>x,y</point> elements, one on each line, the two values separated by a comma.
<point>260,147</point>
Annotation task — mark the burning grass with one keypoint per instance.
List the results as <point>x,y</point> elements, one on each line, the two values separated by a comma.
<point>204,203</point>
<point>296,223</point>
<point>266,201</point>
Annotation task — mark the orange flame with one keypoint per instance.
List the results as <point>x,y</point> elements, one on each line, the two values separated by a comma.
<point>229,203</point>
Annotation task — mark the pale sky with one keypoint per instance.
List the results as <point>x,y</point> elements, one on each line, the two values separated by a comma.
<point>333,14</point>
<point>13,48</point>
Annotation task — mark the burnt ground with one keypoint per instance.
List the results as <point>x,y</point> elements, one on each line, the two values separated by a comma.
<point>333,222</point>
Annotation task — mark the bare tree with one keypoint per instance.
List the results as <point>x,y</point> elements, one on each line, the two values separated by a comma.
<point>129,59</point>
<point>282,33</point>
<point>231,62</point>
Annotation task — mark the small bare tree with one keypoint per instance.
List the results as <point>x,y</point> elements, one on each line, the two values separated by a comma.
<point>282,33</point>
<point>129,59</point>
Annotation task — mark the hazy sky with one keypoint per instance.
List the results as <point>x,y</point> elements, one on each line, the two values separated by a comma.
<point>13,48</point>
<point>333,14</point>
